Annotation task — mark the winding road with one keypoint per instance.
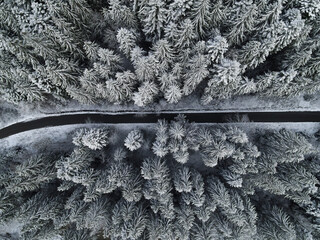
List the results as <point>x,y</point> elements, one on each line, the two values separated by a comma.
<point>205,117</point>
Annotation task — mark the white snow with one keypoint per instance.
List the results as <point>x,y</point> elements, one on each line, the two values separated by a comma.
<point>59,134</point>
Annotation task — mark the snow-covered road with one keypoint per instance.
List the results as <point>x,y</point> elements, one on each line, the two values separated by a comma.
<point>128,118</point>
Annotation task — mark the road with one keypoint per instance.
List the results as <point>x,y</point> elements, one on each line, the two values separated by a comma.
<point>207,117</point>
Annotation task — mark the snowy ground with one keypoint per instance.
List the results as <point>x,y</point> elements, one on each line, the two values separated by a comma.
<point>192,103</point>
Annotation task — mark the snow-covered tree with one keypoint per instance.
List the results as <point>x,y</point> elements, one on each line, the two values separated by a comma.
<point>31,174</point>
<point>94,138</point>
<point>242,21</point>
<point>134,140</point>
<point>276,225</point>
<point>127,40</point>
<point>164,53</point>
<point>183,35</point>
<point>146,94</point>
<point>217,48</point>
<point>120,15</point>
<point>73,167</point>
<point>158,187</point>
<point>128,220</point>
<point>224,82</point>
<point>119,90</point>
<point>196,73</point>
<point>159,147</point>
<point>154,16</point>
<point>202,16</point>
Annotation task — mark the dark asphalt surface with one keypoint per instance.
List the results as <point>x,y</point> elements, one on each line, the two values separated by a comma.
<point>153,118</point>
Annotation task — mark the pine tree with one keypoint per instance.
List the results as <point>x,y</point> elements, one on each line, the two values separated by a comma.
<point>158,187</point>
<point>31,174</point>
<point>287,146</point>
<point>164,53</point>
<point>179,9</point>
<point>203,230</point>
<point>173,94</point>
<point>128,220</point>
<point>161,228</point>
<point>94,139</point>
<point>217,151</point>
<point>37,213</point>
<point>119,90</point>
<point>185,219</point>
<point>153,14</point>
<point>127,40</point>
<point>146,94</point>
<point>160,147</point>
<point>183,35</point>
<point>98,216</point>
<point>72,168</point>
<point>134,140</point>
<point>121,175</point>
<point>120,14</point>
<point>225,80</point>
<point>196,196</point>
<point>277,225</point>
<point>242,21</point>
<point>217,48</point>
<point>219,11</point>
<point>8,205</point>
<point>182,179</point>
<point>201,16</point>
<point>197,72</point>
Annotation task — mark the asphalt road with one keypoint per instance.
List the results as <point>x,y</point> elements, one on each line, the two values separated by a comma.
<point>208,117</point>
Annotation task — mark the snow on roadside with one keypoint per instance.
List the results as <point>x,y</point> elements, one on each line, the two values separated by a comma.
<point>188,105</point>
<point>63,134</point>
<point>11,229</point>
<point>56,136</point>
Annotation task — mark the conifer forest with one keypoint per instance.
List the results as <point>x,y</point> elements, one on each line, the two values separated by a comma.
<point>169,179</point>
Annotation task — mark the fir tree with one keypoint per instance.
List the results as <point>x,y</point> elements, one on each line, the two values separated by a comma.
<point>160,147</point>
<point>153,14</point>
<point>31,174</point>
<point>134,140</point>
<point>72,168</point>
<point>201,16</point>
<point>242,21</point>
<point>158,186</point>
<point>92,138</point>
<point>164,53</point>
<point>217,48</point>
<point>128,220</point>
<point>119,90</point>
<point>127,40</point>
<point>277,225</point>
<point>225,80</point>
<point>198,72</point>
<point>146,94</point>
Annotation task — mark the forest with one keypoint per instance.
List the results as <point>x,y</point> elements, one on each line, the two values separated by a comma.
<point>173,180</point>
<point>176,181</point>
<point>139,52</point>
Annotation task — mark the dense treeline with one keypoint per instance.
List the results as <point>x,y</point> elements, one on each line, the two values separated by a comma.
<point>143,51</point>
<point>182,181</point>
